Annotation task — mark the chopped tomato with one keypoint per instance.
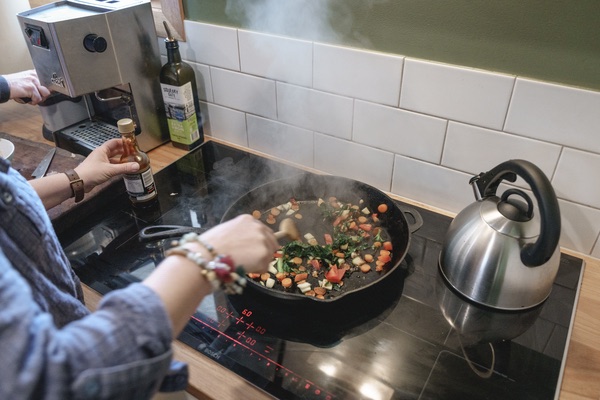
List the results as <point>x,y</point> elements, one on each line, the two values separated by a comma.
<point>328,238</point>
<point>365,227</point>
<point>338,220</point>
<point>387,246</point>
<point>353,226</point>
<point>335,275</point>
<point>277,254</point>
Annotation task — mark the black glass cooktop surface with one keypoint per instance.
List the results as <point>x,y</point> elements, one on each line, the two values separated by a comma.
<point>417,339</point>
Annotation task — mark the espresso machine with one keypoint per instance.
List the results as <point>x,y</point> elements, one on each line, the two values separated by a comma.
<point>101,61</point>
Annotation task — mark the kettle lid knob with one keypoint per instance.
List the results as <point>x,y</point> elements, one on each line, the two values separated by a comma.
<point>514,209</point>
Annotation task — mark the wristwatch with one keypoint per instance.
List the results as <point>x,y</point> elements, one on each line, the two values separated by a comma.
<point>76,185</point>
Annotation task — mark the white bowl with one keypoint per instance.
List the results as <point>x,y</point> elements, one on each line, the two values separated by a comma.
<point>7,149</point>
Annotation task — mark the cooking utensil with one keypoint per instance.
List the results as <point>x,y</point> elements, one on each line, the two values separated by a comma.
<point>497,251</point>
<point>159,232</point>
<point>287,229</point>
<point>311,187</point>
<point>43,166</point>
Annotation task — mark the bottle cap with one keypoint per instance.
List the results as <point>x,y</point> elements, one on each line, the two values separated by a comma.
<point>125,125</point>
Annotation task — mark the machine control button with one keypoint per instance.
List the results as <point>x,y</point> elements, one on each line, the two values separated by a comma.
<point>94,43</point>
<point>36,36</point>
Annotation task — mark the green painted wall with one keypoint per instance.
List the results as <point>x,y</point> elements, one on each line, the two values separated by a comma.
<point>550,40</point>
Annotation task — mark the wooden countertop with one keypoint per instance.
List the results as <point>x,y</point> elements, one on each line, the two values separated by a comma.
<point>210,380</point>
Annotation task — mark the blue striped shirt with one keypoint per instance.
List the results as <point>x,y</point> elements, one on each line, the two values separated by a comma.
<point>51,346</point>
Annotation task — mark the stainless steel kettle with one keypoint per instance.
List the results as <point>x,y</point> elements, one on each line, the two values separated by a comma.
<point>499,252</point>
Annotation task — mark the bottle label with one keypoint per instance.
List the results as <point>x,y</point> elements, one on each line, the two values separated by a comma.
<point>181,113</point>
<point>140,186</point>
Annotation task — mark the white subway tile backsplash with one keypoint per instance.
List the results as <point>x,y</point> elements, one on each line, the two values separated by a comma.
<point>314,110</point>
<point>416,128</point>
<point>203,81</point>
<point>210,44</point>
<point>431,184</point>
<point>226,124</point>
<point>244,92</point>
<point>473,150</point>
<point>352,160</point>
<point>355,73</point>
<point>399,131</point>
<point>580,226</point>
<point>554,113</point>
<point>276,57</point>
<point>281,140</point>
<point>461,94</point>
<point>577,177</point>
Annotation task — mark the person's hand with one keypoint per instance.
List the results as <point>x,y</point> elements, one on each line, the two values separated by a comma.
<point>103,163</point>
<point>249,242</point>
<point>26,84</point>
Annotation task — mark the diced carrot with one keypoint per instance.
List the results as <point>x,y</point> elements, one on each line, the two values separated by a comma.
<point>280,276</point>
<point>365,268</point>
<point>320,290</point>
<point>365,227</point>
<point>384,252</point>
<point>253,275</point>
<point>286,283</point>
<point>256,214</point>
<point>382,208</point>
<point>315,264</point>
<point>384,258</point>
<point>368,257</point>
<point>297,260</point>
<point>300,277</point>
<point>265,276</point>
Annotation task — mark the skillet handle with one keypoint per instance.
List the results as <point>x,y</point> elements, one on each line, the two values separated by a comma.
<point>158,232</point>
<point>414,219</point>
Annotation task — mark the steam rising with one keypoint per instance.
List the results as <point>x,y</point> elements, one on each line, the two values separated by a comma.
<point>327,21</point>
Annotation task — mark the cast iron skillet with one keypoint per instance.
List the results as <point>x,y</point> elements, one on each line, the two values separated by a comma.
<point>307,187</point>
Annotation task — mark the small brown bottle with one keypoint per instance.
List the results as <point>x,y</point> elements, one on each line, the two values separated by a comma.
<point>140,186</point>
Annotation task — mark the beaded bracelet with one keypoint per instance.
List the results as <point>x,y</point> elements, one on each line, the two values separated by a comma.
<point>220,271</point>
<point>194,237</point>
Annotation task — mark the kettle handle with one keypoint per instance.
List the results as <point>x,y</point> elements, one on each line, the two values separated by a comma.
<point>538,253</point>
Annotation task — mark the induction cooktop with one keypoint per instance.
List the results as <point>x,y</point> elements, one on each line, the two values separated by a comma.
<point>417,340</point>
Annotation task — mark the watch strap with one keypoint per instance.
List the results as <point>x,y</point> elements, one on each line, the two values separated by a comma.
<point>76,185</point>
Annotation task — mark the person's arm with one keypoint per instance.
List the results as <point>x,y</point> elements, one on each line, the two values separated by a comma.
<point>98,167</point>
<point>250,244</point>
<point>21,85</point>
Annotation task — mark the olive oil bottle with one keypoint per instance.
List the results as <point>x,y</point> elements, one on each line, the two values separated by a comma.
<point>180,95</point>
<point>140,186</point>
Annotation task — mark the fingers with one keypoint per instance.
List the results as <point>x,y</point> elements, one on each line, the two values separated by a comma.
<point>27,85</point>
